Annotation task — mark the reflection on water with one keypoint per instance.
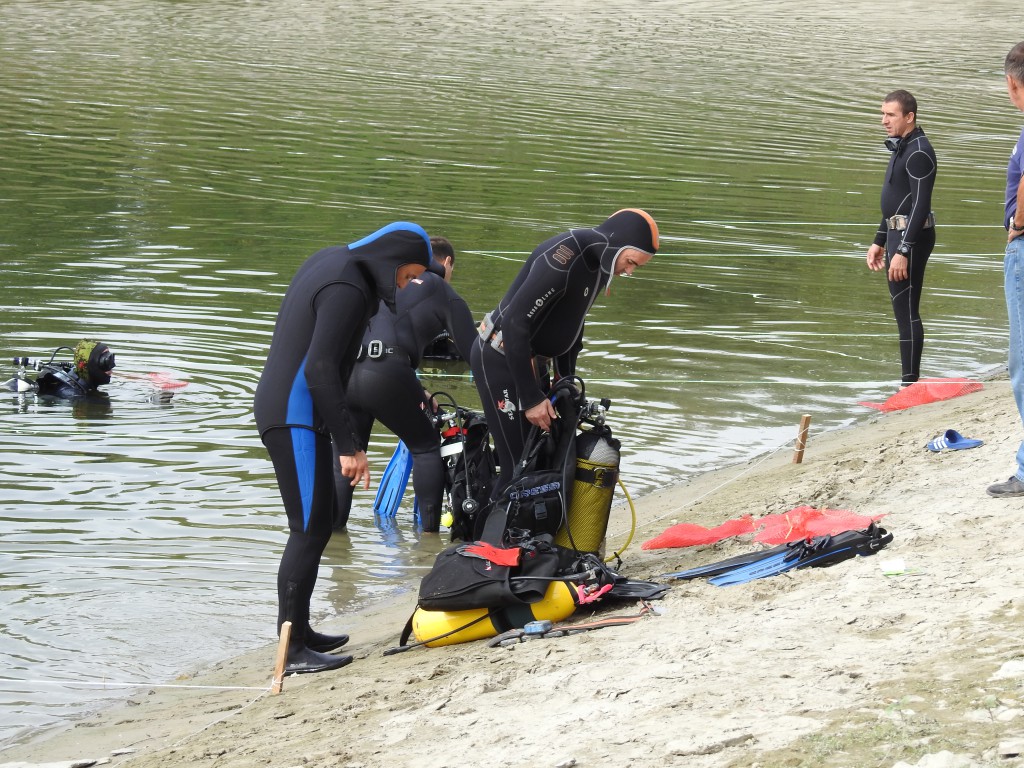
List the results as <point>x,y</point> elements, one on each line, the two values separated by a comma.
<point>167,166</point>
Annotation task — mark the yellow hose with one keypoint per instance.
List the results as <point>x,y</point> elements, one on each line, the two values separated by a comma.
<point>632,525</point>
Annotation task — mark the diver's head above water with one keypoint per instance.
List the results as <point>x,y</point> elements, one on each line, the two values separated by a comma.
<point>94,361</point>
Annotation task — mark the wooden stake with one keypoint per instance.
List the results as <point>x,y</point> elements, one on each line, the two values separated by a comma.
<point>282,657</point>
<point>801,438</point>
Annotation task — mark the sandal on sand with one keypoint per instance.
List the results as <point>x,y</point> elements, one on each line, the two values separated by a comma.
<point>953,441</point>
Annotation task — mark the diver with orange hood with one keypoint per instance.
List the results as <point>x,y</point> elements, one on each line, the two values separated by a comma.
<point>536,333</point>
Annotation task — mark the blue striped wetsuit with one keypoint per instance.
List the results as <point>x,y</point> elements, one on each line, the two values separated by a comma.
<point>300,404</point>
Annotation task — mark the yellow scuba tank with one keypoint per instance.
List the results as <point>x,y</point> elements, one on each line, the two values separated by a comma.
<point>432,627</point>
<point>597,472</point>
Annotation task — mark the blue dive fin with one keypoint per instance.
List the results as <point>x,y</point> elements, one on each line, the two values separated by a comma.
<point>393,483</point>
<point>769,565</point>
<point>713,569</point>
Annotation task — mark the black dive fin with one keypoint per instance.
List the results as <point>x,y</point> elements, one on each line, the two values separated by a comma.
<point>632,589</point>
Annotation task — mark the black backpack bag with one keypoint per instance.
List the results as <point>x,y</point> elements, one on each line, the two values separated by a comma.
<point>536,499</point>
<point>470,468</point>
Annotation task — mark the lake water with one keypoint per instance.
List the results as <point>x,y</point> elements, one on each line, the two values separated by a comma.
<point>165,167</point>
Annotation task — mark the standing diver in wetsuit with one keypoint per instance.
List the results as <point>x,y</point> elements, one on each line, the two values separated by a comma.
<point>540,321</point>
<point>906,236</point>
<point>384,387</point>
<point>300,406</point>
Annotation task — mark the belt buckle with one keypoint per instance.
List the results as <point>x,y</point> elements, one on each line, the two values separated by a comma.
<point>375,349</point>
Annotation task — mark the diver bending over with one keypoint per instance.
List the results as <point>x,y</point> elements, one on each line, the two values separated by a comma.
<point>539,323</point>
<point>384,386</point>
<point>301,406</point>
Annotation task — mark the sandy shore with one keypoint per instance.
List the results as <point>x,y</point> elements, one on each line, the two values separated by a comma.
<point>839,666</point>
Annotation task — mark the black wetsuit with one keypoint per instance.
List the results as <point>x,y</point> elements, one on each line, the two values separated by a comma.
<point>385,388</point>
<point>539,323</point>
<point>57,381</point>
<point>907,191</point>
<point>91,367</point>
<point>300,403</point>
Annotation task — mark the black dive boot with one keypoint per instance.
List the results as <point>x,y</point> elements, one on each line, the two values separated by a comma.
<point>301,659</point>
<point>321,643</point>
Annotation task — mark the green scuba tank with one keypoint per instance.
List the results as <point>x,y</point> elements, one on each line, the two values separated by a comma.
<point>597,472</point>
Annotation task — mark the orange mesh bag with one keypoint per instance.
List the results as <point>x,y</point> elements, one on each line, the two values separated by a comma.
<point>798,523</point>
<point>690,534</point>
<point>926,391</point>
<point>807,522</point>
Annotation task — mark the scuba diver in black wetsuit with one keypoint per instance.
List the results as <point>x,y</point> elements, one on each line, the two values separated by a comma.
<point>906,236</point>
<point>300,406</point>
<point>539,322</point>
<point>90,368</point>
<point>384,387</point>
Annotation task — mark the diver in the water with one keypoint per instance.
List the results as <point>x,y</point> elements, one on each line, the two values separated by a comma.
<point>90,367</point>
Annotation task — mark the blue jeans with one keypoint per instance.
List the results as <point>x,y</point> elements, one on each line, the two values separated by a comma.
<point>1013,273</point>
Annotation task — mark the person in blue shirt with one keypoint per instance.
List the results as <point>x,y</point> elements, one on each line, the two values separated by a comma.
<point>1013,263</point>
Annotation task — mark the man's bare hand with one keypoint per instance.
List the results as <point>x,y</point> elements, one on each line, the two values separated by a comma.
<point>876,257</point>
<point>542,414</point>
<point>898,268</point>
<point>357,468</point>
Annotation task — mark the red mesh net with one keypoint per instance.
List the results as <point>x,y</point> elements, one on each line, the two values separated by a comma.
<point>691,534</point>
<point>805,522</point>
<point>798,523</point>
<point>926,391</point>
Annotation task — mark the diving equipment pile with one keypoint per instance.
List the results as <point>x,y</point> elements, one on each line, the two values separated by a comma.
<point>533,552</point>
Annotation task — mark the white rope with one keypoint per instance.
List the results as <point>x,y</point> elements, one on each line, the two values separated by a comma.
<point>123,684</point>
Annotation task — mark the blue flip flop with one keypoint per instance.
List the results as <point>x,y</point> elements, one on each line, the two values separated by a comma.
<point>953,441</point>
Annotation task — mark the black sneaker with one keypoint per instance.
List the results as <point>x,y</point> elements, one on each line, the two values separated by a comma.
<point>1012,487</point>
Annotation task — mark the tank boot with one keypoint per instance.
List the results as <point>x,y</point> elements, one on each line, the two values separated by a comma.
<point>430,518</point>
<point>301,660</point>
<point>322,643</point>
